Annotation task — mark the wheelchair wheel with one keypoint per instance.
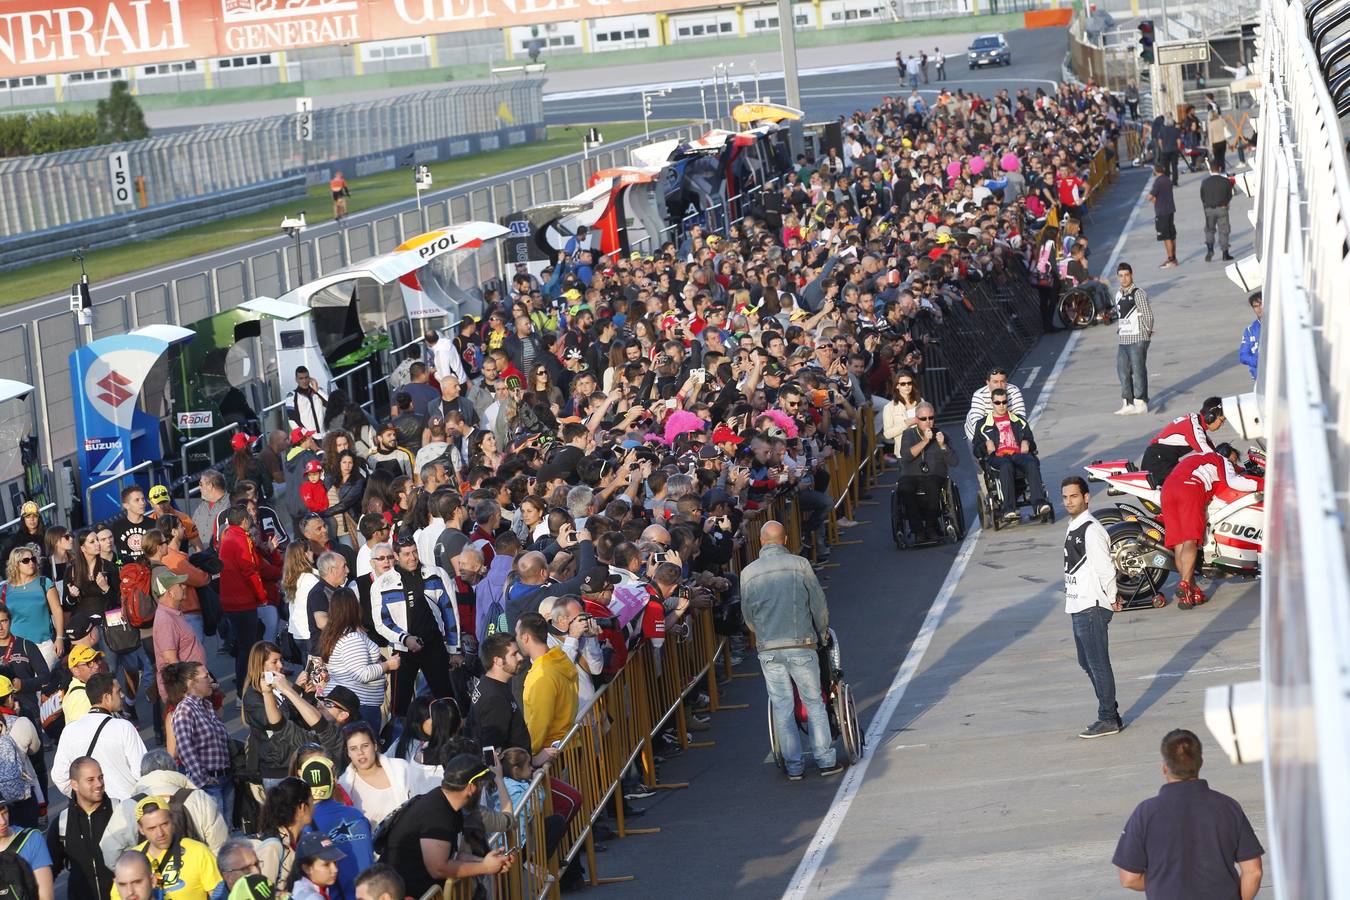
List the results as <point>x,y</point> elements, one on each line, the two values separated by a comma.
<point>956,511</point>
<point>897,525</point>
<point>1076,309</point>
<point>776,750</point>
<point>849,727</point>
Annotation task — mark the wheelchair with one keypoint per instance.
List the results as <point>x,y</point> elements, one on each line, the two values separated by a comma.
<point>951,521</point>
<point>1077,309</point>
<point>838,697</point>
<point>991,497</point>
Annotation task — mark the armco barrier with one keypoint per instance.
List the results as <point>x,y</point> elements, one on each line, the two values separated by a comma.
<point>146,224</point>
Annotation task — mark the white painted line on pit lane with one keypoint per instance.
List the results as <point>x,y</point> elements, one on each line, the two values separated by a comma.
<point>1072,342</point>
<point>809,867</point>
<point>1203,670</point>
<point>853,778</point>
<point>1032,374</point>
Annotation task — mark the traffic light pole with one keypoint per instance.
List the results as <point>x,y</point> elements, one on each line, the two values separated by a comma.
<point>787,38</point>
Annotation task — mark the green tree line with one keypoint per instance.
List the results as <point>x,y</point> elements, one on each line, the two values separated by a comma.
<point>118,118</point>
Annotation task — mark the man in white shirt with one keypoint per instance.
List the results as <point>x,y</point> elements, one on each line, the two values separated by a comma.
<point>1090,598</point>
<point>444,359</point>
<point>980,401</point>
<point>103,734</point>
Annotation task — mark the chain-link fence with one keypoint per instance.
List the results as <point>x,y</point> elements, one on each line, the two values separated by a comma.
<point>56,189</point>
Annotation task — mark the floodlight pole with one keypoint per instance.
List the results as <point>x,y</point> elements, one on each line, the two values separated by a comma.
<point>787,38</point>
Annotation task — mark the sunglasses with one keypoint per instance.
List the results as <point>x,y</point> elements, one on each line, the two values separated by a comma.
<point>924,418</point>
<point>388,557</point>
<point>905,383</point>
<point>27,561</point>
<point>1000,403</point>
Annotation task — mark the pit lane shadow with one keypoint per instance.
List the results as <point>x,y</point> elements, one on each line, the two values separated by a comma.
<point>986,640</point>
<point>1233,618</point>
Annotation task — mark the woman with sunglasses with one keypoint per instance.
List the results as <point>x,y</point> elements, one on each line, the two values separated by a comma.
<point>899,413</point>
<point>544,390</point>
<point>33,602</point>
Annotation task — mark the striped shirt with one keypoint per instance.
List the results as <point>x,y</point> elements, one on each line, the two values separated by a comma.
<point>981,405</point>
<point>356,663</point>
<point>1134,316</point>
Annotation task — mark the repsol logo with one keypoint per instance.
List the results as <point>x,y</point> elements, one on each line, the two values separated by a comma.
<point>441,244</point>
<point>1248,532</point>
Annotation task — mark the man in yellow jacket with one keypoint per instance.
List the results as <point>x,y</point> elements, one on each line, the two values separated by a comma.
<point>550,686</point>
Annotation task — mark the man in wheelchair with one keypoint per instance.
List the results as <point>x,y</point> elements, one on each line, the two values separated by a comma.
<point>926,455</point>
<point>1007,448</point>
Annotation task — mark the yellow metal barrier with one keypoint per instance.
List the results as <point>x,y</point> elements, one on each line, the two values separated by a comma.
<point>644,699</point>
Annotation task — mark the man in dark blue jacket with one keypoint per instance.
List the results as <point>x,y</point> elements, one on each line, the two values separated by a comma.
<point>1249,350</point>
<point>1009,447</point>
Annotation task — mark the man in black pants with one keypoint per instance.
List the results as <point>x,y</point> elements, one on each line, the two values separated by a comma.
<point>925,457</point>
<point>417,615</point>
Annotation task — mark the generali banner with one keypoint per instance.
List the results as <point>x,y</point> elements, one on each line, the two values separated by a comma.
<point>49,36</point>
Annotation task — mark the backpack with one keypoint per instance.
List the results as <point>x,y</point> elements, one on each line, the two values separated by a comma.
<point>380,840</point>
<point>15,782</point>
<point>138,605</point>
<point>177,811</point>
<point>17,881</point>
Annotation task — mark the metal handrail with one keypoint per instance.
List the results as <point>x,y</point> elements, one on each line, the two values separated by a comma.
<point>89,489</point>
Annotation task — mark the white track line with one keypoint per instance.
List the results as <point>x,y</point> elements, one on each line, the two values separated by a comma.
<point>800,885</point>
<point>1032,374</point>
<point>853,778</point>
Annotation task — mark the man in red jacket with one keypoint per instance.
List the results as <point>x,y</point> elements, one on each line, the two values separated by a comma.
<point>241,586</point>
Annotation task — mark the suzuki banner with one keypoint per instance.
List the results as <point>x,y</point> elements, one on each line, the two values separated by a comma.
<point>111,431</point>
<point>50,36</point>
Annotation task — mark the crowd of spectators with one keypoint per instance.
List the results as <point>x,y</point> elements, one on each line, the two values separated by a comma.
<point>545,489</point>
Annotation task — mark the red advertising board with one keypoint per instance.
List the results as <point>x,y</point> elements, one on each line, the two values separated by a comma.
<point>49,36</point>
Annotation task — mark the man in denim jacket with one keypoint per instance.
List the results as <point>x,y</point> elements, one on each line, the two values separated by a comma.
<point>784,605</point>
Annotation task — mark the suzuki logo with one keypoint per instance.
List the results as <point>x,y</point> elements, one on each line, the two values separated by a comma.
<point>115,391</point>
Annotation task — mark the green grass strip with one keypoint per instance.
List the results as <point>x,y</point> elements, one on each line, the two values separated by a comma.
<point>52,277</point>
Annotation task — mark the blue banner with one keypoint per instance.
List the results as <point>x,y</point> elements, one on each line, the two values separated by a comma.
<point>112,433</point>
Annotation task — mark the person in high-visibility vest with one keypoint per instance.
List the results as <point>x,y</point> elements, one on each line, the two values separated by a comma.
<point>340,194</point>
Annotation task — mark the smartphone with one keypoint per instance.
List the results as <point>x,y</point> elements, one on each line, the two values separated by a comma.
<point>269,678</point>
<point>489,756</point>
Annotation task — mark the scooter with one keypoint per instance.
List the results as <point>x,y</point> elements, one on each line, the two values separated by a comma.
<point>1233,538</point>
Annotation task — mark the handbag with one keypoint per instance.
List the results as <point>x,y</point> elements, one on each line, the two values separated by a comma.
<point>118,634</point>
<point>290,650</point>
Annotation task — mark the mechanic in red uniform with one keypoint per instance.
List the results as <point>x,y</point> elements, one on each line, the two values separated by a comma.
<point>1182,436</point>
<point>1186,493</point>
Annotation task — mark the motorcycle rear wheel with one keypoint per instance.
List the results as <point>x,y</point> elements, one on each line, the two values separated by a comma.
<point>1130,554</point>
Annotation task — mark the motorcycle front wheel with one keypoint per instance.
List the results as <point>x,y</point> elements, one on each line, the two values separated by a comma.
<point>1133,558</point>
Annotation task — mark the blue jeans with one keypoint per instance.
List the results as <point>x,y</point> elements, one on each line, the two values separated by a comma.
<point>783,669</point>
<point>1132,370</point>
<point>194,621</point>
<point>1007,467</point>
<point>223,793</point>
<point>1094,655</point>
<point>267,623</point>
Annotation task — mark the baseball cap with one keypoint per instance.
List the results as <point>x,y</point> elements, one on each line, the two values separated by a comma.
<point>345,698</point>
<point>252,887</point>
<point>161,579</point>
<point>159,494</point>
<point>317,772</point>
<point>29,508</point>
<point>313,466</point>
<point>6,686</point>
<point>315,845</point>
<point>82,654</point>
<point>714,497</point>
<point>300,435</point>
<point>462,771</point>
<point>240,440</point>
<point>597,579</point>
<point>709,451</point>
<point>724,435</point>
<point>571,294</point>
